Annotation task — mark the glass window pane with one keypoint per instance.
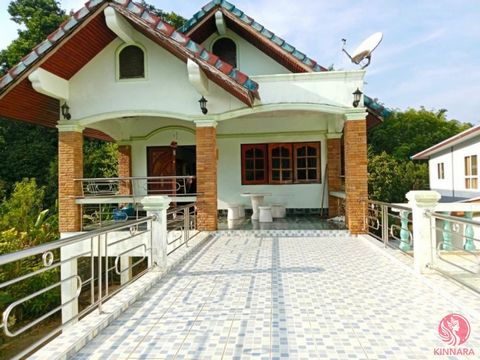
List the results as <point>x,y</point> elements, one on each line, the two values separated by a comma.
<point>286,175</point>
<point>301,151</point>
<point>285,163</point>
<point>312,174</point>
<point>276,152</point>
<point>249,154</point>
<point>275,163</point>
<point>301,174</point>
<point>275,175</point>
<point>312,162</point>
<point>301,163</point>
<point>285,152</point>
<point>248,164</point>
<point>259,175</point>
<point>467,183</point>
<point>467,165</point>
<point>474,165</point>
<point>259,153</point>
<point>475,183</point>
<point>249,175</point>
<point>259,164</point>
<point>312,151</point>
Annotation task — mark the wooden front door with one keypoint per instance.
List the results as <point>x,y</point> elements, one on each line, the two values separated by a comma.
<point>161,162</point>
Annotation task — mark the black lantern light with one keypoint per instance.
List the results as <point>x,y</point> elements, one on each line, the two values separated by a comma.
<point>357,95</point>
<point>66,111</point>
<point>203,105</point>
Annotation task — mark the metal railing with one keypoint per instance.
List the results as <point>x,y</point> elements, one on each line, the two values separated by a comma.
<point>137,186</point>
<point>391,224</point>
<point>111,257</point>
<point>100,215</point>
<point>181,226</point>
<point>457,243</point>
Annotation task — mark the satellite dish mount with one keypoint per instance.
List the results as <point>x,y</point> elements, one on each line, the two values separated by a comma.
<point>364,50</point>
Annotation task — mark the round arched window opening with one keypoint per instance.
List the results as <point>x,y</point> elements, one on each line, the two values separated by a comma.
<point>131,63</point>
<point>226,50</point>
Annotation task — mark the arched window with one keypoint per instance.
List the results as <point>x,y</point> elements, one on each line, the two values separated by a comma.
<point>131,63</point>
<point>226,50</point>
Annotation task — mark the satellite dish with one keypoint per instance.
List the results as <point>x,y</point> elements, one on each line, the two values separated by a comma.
<point>365,49</point>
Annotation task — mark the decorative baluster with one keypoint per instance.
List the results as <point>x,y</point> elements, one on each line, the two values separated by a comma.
<point>447,234</point>
<point>404,231</point>
<point>469,233</point>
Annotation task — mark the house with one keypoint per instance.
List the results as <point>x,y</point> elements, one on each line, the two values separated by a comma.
<point>271,118</point>
<point>453,166</point>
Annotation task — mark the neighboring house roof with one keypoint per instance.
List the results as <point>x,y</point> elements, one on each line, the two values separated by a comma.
<point>446,144</point>
<point>202,23</point>
<point>157,30</point>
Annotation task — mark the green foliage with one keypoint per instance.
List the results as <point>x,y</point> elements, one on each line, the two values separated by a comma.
<point>169,17</point>
<point>37,19</point>
<point>23,224</point>
<point>389,179</point>
<point>404,134</point>
<point>391,144</point>
<point>100,159</point>
<point>27,152</point>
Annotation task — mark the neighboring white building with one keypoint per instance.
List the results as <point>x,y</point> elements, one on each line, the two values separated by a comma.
<point>453,166</point>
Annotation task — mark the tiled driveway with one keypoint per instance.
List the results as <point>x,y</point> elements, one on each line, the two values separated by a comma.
<point>269,297</point>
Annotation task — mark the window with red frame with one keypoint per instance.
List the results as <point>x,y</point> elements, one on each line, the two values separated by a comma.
<point>281,163</point>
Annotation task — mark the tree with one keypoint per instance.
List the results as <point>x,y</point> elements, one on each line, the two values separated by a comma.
<point>391,173</point>
<point>169,17</point>
<point>389,179</point>
<point>406,133</point>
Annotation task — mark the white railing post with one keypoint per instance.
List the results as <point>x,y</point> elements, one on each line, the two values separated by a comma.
<point>424,239</point>
<point>157,206</point>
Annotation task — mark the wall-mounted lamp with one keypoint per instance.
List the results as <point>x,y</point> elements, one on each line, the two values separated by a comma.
<point>66,111</point>
<point>357,95</point>
<point>203,105</point>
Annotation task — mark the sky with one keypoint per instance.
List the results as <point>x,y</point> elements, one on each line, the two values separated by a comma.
<point>429,55</point>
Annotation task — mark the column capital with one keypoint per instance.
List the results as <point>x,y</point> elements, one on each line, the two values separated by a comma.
<point>156,203</point>
<point>205,123</point>
<point>334,135</point>
<point>423,198</point>
<point>355,114</point>
<point>70,127</point>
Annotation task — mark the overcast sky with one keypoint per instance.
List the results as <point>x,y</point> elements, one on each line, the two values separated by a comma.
<point>429,55</point>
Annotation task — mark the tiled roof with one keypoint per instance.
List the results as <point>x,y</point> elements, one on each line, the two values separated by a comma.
<point>41,49</point>
<point>188,46</point>
<point>375,106</point>
<point>260,29</point>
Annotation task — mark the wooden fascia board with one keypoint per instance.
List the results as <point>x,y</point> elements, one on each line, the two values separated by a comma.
<point>38,63</point>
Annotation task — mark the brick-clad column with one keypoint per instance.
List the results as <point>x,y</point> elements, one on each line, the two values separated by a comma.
<point>70,167</point>
<point>334,170</point>
<point>125,168</point>
<point>356,175</point>
<point>206,148</point>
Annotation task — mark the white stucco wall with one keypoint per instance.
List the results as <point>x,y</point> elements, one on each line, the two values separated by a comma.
<point>269,128</point>
<point>95,90</point>
<point>250,60</point>
<point>293,196</point>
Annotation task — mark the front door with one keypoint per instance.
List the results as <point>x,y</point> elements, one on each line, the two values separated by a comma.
<point>161,162</point>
